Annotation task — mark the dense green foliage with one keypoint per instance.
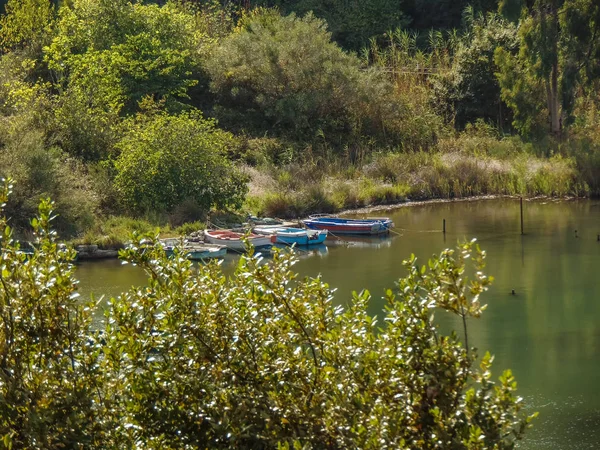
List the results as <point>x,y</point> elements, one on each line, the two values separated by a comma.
<point>258,360</point>
<point>471,87</point>
<point>352,23</point>
<point>49,373</point>
<point>285,75</point>
<point>324,88</point>
<point>559,57</point>
<point>166,160</point>
<point>109,55</point>
<point>128,112</point>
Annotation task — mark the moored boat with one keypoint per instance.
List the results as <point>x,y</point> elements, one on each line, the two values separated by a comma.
<point>336,225</point>
<point>233,240</point>
<point>196,251</point>
<point>290,236</point>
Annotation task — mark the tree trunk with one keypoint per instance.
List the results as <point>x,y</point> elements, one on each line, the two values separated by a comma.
<point>554,103</point>
<point>553,94</point>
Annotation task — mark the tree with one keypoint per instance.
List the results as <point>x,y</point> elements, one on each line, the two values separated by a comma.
<point>559,44</point>
<point>26,24</point>
<point>470,89</point>
<point>30,155</point>
<point>165,160</point>
<point>351,23</point>
<point>284,75</point>
<point>107,56</point>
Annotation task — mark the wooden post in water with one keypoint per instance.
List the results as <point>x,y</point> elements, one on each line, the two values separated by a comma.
<point>444,227</point>
<point>522,216</point>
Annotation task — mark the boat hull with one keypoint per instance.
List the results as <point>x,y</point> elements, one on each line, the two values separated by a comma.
<point>201,252</point>
<point>305,240</point>
<point>293,236</point>
<point>233,241</point>
<point>350,226</point>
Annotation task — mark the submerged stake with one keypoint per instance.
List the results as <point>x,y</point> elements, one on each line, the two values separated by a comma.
<point>522,216</point>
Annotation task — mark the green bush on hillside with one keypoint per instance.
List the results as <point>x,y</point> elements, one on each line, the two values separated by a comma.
<point>166,160</point>
<point>284,74</point>
<point>106,56</point>
<point>41,171</point>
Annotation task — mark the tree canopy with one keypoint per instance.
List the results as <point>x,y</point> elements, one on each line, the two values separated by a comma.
<point>559,52</point>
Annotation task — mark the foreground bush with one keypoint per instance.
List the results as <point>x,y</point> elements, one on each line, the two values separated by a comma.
<point>49,379</point>
<point>259,360</point>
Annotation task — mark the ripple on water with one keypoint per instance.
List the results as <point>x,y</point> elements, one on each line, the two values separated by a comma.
<point>568,424</point>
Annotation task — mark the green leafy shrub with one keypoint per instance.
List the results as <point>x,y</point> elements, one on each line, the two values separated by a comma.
<point>49,357</point>
<point>263,360</point>
<point>39,172</point>
<point>470,90</point>
<point>284,74</point>
<point>166,160</point>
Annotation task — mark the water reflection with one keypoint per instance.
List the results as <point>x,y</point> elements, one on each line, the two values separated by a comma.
<point>371,242</point>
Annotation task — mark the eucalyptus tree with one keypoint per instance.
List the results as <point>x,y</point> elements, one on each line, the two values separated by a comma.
<point>559,52</point>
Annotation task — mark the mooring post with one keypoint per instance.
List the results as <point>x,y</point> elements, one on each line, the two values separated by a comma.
<point>522,216</point>
<point>444,226</point>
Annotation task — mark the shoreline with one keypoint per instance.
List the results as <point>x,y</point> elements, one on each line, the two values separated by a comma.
<point>94,252</point>
<point>434,201</point>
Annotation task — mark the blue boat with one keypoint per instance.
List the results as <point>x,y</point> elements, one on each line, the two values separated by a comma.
<point>336,225</point>
<point>290,236</point>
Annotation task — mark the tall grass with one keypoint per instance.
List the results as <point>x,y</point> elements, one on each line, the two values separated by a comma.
<point>464,171</point>
<point>114,231</point>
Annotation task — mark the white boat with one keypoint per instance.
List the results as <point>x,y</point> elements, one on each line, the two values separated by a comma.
<point>195,251</point>
<point>233,240</point>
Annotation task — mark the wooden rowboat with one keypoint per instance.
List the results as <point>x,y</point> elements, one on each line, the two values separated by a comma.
<point>290,236</point>
<point>195,251</point>
<point>233,240</point>
<point>336,225</point>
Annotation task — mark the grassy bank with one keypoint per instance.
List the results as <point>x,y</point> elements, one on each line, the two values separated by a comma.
<point>291,183</point>
<point>320,185</point>
<point>300,189</point>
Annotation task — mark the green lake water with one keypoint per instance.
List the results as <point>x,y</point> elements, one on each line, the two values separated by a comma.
<point>548,334</point>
